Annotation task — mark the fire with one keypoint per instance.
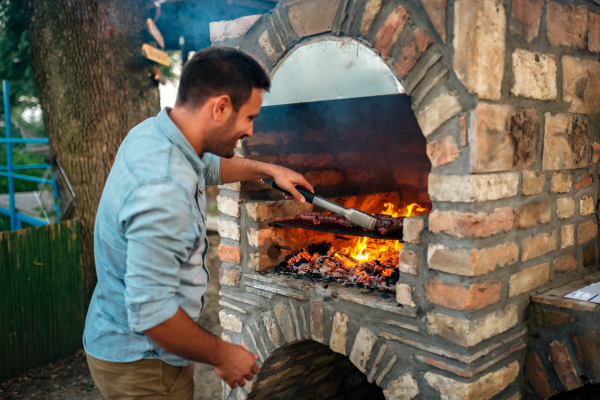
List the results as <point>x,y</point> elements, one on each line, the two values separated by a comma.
<point>390,209</point>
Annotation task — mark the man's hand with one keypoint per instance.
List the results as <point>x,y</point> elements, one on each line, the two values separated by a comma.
<point>288,180</point>
<point>236,366</point>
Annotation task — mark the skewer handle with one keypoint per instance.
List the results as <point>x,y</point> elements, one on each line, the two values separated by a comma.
<point>307,195</point>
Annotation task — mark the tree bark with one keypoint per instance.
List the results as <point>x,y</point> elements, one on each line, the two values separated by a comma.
<point>93,86</point>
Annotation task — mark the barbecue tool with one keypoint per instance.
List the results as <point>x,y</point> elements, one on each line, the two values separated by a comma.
<point>353,215</point>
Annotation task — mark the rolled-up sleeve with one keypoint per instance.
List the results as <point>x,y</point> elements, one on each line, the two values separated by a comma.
<point>212,169</point>
<point>156,219</point>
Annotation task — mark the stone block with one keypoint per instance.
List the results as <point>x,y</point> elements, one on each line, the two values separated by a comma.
<point>362,348</point>
<point>584,182</point>
<point>436,11</point>
<point>466,224</point>
<point>564,265</point>
<point>586,205</point>
<point>581,84</point>
<point>339,333</point>
<point>594,32</point>
<point>565,142</point>
<point>405,387</point>
<point>468,333</point>
<point>414,48</point>
<point>412,229</point>
<point>462,121</point>
<point>229,253</point>
<point>407,262</point>
<point>528,279</point>
<point>324,178</point>
<point>458,297</point>
<point>222,30</point>
<point>264,42</point>
<point>274,210</point>
<point>565,207</point>
<point>587,351</point>
<point>563,365</point>
<point>442,151</point>
<point>479,53</point>
<point>404,294</point>
<point>230,322</point>
<point>473,188</point>
<point>538,245</point>
<point>483,388</point>
<point>567,236</point>
<point>372,9</point>
<point>528,215</point>
<point>229,229</point>
<point>546,317</point>
<point>285,322</point>
<point>253,260</point>
<point>561,182</point>
<point>229,206</point>
<point>252,237</point>
<point>471,262</point>
<point>586,231</point>
<point>596,152</point>
<point>391,28</point>
<point>438,111</point>
<point>537,376</point>
<point>310,17</point>
<point>534,75</point>
<point>589,256</point>
<point>272,330</point>
<point>569,24</point>
<point>533,183</point>
<point>229,276</point>
<point>525,19</point>
<point>316,320</point>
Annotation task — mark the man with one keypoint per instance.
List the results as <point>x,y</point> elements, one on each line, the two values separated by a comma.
<point>150,236</point>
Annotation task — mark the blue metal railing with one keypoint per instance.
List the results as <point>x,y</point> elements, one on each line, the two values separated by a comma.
<point>16,218</point>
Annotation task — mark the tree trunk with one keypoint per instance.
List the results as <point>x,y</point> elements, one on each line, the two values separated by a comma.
<point>93,86</point>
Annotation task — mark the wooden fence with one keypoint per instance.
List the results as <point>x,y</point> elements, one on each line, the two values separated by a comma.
<point>41,296</point>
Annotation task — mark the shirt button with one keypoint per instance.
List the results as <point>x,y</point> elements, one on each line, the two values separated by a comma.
<point>202,189</point>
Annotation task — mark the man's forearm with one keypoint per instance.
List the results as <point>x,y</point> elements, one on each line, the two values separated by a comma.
<point>239,169</point>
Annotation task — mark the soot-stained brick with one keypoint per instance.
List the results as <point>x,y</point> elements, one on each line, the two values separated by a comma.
<point>578,138</point>
<point>523,131</point>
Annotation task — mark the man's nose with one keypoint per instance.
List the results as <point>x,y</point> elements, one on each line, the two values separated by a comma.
<point>250,129</point>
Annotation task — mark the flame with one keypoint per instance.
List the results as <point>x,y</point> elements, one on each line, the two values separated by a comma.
<point>390,209</point>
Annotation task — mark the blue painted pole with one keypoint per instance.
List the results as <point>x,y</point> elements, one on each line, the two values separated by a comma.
<point>9,159</point>
<point>56,207</point>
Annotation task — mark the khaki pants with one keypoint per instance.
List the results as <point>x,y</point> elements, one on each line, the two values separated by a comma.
<point>151,379</point>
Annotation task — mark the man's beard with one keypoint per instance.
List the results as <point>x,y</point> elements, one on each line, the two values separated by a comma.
<point>218,144</point>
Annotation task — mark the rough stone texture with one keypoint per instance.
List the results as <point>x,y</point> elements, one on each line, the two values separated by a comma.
<point>443,151</point>
<point>411,52</point>
<point>563,365</point>
<point>363,347</point>
<point>458,297</point>
<point>533,182</point>
<point>569,24</point>
<point>229,253</point>
<point>285,322</point>
<point>537,245</point>
<point>586,205</point>
<point>272,330</point>
<point>534,75</point>
<point>265,44</point>
<point>272,210</point>
<point>589,256</point>
<point>596,153</point>
<point>252,237</point>
<point>440,110</point>
<point>479,53</point>
<point>436,11</point>
<point>412,229</point>
<point>471,262</point>
<point>310,17</point>
<point>473,188</point>
<point>229,230</point>
<point>371,10</point>
<point>594,32</point>
<point>462,121</point>
<point>567,236</point>
<point>581,83</point>
<point>564,265</point>
<point>464,224</point>
<point>407,262</point>
<point>584,182</point>
<point>528,279</point>
<point>230,322</point>
<point>392,27</point>
<point>502,138</point>
<point>483,388</point>
<point>468,333</point>
<point>229,276</point>
<point>528,215</point>
<point>525,19</point>
<point>229,206</point>
<point>403,388</point>
<point>586,231</point>
<point>565,142</point>
<point>404,294</point>
<point>339,333</point>
<point>561,182</point>
<point>565,207</point>
<point>324,178</point>
<point>281,376</point>
<point>222,30</point>
<point>587,350</point>
<point>316,319</point>
<point>546,317</point>
<point>537,376</point>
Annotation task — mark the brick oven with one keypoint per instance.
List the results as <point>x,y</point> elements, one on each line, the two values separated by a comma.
<point>495,138</point>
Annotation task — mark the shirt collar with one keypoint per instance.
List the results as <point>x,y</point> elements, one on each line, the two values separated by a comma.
<point>177,138</point>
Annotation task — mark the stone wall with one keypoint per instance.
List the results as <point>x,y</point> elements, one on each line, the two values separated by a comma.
<point>512,88</point>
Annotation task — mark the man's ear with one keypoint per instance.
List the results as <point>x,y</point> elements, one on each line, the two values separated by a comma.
<point>222,108</point>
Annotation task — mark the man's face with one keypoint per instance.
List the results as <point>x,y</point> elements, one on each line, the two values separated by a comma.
<point>238,126</point>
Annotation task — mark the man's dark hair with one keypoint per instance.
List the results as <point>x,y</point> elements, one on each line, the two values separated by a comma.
<point>217,71</point>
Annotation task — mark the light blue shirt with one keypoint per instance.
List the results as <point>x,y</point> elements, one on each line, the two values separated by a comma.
<point>149,241</point>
